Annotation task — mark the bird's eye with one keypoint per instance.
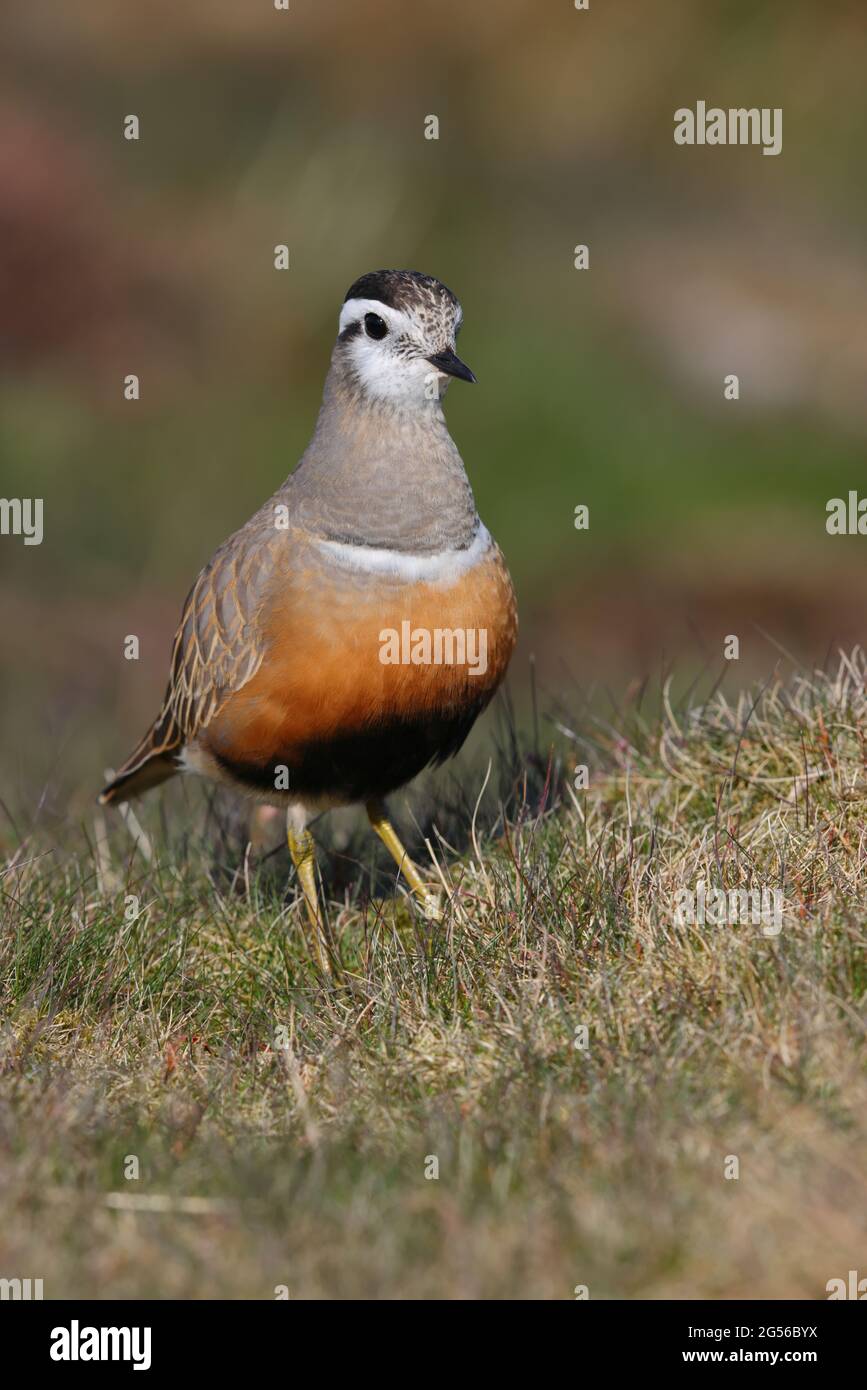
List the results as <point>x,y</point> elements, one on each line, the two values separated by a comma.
<point>375,326</point>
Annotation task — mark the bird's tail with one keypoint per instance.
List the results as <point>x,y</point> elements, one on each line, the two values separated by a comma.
<point>149,765</point>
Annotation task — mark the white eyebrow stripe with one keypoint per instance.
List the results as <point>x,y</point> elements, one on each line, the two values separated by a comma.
<point>354,309</point>
<point>443,568</point>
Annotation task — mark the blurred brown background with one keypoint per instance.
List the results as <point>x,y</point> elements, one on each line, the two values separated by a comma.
<point>602,387</point>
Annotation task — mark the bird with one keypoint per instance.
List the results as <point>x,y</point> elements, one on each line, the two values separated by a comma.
<point>351,632</point>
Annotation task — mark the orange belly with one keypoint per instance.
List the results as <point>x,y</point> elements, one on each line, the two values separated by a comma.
<point>355,687</point>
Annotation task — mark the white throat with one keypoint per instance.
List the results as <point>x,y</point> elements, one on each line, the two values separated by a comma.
<point>386,374</point>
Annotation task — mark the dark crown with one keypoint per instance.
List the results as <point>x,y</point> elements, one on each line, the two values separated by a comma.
<point>401,289</point>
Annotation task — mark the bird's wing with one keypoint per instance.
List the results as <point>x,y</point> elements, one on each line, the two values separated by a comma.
<point>218,647</point>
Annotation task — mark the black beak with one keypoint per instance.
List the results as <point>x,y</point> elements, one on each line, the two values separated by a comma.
<point>451,364</point>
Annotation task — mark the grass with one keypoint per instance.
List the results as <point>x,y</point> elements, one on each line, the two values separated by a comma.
<point>282,1126</point>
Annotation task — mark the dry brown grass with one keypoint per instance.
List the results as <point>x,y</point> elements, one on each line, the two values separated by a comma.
<point>306,1148</point>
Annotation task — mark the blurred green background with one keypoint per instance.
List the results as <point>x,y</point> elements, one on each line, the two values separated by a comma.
<point>602,387</point>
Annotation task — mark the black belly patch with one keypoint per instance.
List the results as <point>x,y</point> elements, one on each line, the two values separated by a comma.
<point>356,767</point>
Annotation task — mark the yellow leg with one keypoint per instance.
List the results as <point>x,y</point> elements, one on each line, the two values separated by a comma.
<point>303,851</point>
<point>378,818</point>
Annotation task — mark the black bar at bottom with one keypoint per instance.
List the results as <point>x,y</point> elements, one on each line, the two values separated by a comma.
<point>161,1339</point>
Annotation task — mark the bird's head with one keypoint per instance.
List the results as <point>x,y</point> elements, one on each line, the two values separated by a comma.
<point>397,336</point>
